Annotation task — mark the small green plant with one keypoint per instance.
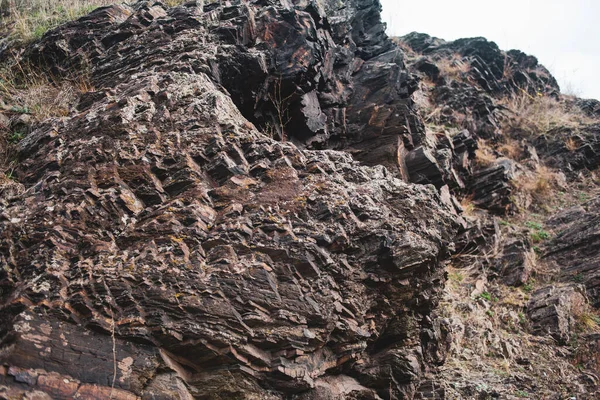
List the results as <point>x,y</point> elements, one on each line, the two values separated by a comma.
<point>504,223</point>
<point>486,296</point>
<point>17,109</point>
<point>490,313</point>
<point>522,319</point>
<point>15,137</point>
<point>534,225</point>
<point>528,287</point>
<point>583,197</point>
<point>578,278</point>
<point>522,394</point>
<point>538,233</point>
<point>539,236</point>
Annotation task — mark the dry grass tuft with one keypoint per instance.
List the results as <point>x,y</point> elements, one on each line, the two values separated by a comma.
<point>28,20</point>
<point>588,322</point>
<point>484,155</point>
<point>29,95</point>
<point>511,149</point>
<point>455,67</point>
<point>536,189</point>
<point>571,144</point>
<point>537,115</point>
<point>29,90</point>
<point>173,3</point>
<point>468,206</point>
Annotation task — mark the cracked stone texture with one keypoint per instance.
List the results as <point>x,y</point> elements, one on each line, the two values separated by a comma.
<point>166,248</point>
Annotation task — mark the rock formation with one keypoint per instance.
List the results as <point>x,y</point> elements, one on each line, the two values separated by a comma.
<point>262,200</point>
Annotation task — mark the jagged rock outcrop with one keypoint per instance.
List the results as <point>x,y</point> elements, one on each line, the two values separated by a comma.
<point>165,247</point>
<point>494,70</point>
<point>467,82</point>
<point>516,263</point>
<point>553,311</point>
<point>574,252</point>
<point>273,200</point>
<point>519,155</point>
<point>571,150</point>
<point>319,73</point>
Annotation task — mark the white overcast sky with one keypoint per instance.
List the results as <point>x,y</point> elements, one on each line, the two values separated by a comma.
<point>563,34</point>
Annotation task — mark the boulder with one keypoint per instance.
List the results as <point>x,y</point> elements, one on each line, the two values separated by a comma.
<point>166,246</point>
<point>553,310</point>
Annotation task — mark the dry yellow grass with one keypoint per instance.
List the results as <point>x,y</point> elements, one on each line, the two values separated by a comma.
<point>588,322</point>
<point>484,155</point>
<point>467,205</point>
<point>454,67</point>
<point>29,90</point>
<point>536,188</point>
<point>511,149</point>
<point>571,144</point>
<point>27,20</point>
<point>537,115</point>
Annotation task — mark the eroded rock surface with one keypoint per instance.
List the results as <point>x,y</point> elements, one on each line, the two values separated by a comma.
<point>273,200</point>
<point>166,248</point>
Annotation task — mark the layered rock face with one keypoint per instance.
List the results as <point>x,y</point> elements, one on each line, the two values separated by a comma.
<point>520,310</point>
<point>166,248</point>
<point>273,200</point>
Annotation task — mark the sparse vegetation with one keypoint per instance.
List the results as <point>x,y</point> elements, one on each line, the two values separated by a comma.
<point>583,197</point>
<point>511,149</point>
<point>571,144</point>
<point>537,232</point>
<point>281,103</point>
<point>28,20</point>
<point>522,394</point>
<point>486,296</point>
<point>534,225</point>
<point>536,115</point>
<point>456,277</point>
<point>455,67</point>
<point>484,155</point>
<point>29,92</point>
<point>534,188</point>
<point>539,236</point>
<point>467,205</point>
<point>529,286</point>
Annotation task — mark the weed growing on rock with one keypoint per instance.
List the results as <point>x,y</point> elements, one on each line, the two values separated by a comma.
<point>454,67</point>
<point>529,286</point>
<point>532,116</point>
<point>486,296</point>
<point>539,236</point>
<point>522,394</point>
<point>29,20</point>
<point>30,90</point>
<point>484,155</point>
